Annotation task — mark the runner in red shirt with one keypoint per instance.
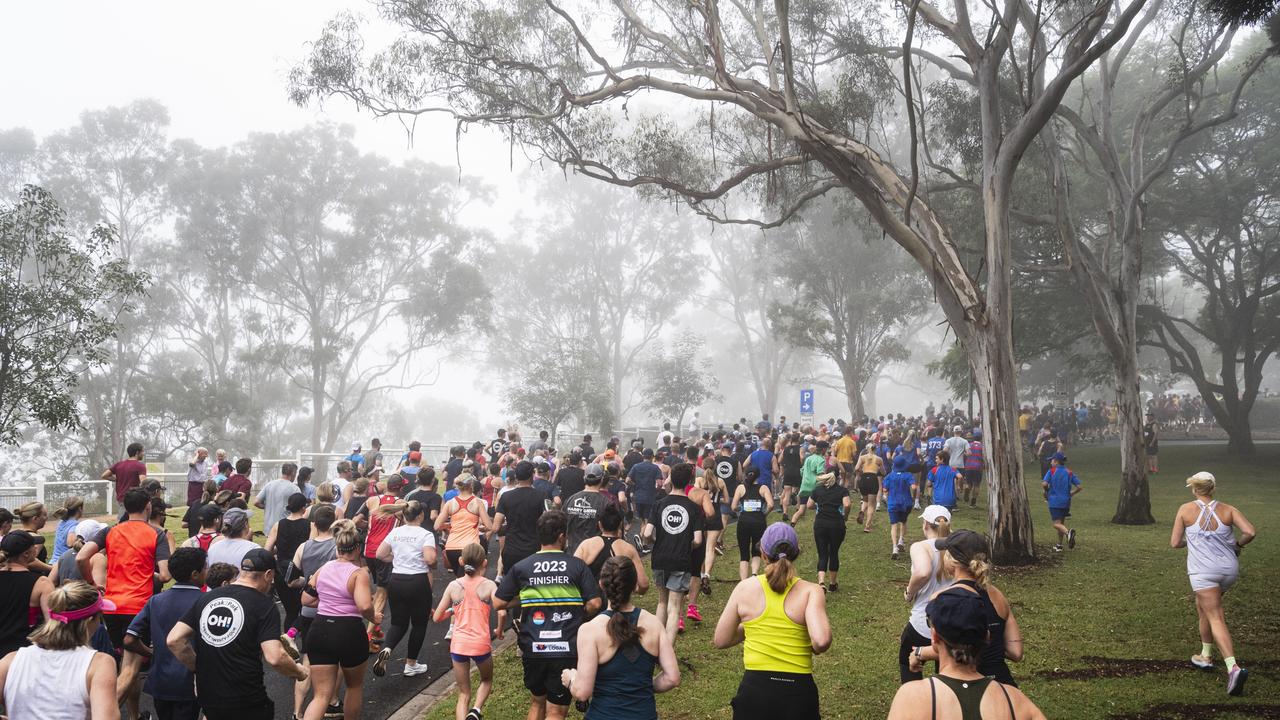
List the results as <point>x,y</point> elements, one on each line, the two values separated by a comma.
<point>382,512</point>
<point>128,473</point>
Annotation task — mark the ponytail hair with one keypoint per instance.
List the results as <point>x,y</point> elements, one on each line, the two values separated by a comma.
<point>473,557</point>
<point>71,508</point>
<point>942,526</point>
<point>618,580</point>
<point>781,569</point>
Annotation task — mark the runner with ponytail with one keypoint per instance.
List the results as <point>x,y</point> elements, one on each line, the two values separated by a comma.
<point>782,623</point>
<point>617,652</point>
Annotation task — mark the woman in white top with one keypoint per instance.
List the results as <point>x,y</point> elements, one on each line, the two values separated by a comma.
<point>234,543</point>
<point>59,677</point>
<point>1206,528</point>
<point>927,578</point>
<point>411,550</point>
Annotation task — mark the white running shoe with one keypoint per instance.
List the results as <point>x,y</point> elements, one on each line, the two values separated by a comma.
<point>417,669</point>
<point>1235,680</point>
<point>1202,662</point>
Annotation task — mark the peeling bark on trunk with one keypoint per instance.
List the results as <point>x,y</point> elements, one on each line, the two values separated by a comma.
<point>1134,504</point>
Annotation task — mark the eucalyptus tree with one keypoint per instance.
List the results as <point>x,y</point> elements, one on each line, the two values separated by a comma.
<point>773,102</point>
<point>1219,217</point>
<point>354,266</point>
<point>857,296</point>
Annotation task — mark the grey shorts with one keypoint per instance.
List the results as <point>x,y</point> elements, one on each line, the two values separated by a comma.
<point>1208,581</point>
<point>673,580</point>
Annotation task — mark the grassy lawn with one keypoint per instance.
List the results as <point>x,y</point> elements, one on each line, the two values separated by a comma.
<point>1108,627</point>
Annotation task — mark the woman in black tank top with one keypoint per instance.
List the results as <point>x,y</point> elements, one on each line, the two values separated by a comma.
<point>966,557</point>
<point>596,551</point>
<point>752,503</point>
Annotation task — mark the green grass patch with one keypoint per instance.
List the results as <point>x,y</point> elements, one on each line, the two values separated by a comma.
<point>1091,618</point>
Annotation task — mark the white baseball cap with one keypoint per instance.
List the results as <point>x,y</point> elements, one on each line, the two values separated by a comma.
<point>933,513</point>
<point>87,529</point>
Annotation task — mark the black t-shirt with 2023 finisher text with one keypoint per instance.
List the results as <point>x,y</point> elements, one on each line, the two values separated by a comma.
<point>675,518</point>
<point>231,623</point>
<point>553,587</point>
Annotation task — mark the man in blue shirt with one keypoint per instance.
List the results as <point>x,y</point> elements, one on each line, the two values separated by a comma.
<point>763,461</point>
<point>644,478</point>
<point>1060,485</point>
<point>169,683</point>
<point>900,494</point>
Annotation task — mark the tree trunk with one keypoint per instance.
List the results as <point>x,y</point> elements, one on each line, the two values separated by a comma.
<point>1240,436</point>
<point>1134,504</point>
<point>852,389</point>
<point>1009,515</point>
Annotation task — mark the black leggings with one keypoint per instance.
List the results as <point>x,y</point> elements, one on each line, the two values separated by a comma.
<point>828,535</point>
<point>290,598</point>
<point>410,598</point>
<point>910,641</point>
<point>749,533</point>
<point>766,695</point>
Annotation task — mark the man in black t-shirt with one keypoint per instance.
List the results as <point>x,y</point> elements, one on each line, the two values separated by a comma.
<point>569,476</point>
<point>584,508</point>
<point>497,446</point>
<point>554,592</point>
<point>588,452</point>
<point>520,507</point>
<point>225,636</point>
<point>675,528</point>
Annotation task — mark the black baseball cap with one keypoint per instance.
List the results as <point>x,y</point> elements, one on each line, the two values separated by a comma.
<point>257,560</point>
<point>209,513</point>
<point>958,616</point>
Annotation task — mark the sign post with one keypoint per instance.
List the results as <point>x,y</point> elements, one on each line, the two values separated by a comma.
<point>806,406</point>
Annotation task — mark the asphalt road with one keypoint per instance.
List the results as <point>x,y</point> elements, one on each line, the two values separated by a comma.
<point>385,695</point>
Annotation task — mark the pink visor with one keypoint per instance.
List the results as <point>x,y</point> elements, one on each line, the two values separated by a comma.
<point>89,611</point>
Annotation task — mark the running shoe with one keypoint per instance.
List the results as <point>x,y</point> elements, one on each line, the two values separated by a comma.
<point>333,712</point>
<point>580,705</point>
<point>823,586</point>
<point>290,648</point>
<point>1235,680</point>
<point>1057,548</point>
<point>1071,539</point>
<point>380,663</point>
<point>416,669</point>
<point>692,613</point>
<point>680,627</point>
<point>706,584</point>
<point>1202,662</point>
<point>475,714</point>
<point>861,516</point>
<point>833,587</point>
<point>877,506</point>
<point>894,555</point>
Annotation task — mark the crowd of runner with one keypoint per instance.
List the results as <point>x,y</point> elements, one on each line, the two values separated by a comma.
<point>105,612</point>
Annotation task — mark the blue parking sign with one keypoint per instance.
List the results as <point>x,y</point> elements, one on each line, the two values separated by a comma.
<point>806,402</point>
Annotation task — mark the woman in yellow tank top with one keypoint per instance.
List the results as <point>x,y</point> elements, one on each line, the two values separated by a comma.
<point>782,623</point>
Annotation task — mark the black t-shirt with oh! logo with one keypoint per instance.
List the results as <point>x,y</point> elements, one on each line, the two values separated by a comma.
<point>676,518</point>
<point>230,624</point>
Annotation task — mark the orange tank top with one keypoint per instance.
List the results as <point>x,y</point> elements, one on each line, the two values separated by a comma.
<point>131,561</point>
<point>471,631</point>
<point>464,525</point>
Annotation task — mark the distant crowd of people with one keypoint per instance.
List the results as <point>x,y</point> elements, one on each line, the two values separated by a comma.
<point>104,612</point>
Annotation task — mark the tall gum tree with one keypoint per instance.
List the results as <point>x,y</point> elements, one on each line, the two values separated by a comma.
<point>1136,110</point>
<point>774,102</point>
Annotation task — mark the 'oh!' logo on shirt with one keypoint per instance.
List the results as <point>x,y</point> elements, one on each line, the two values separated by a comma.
<point>220,621</point>
<point>675,519</point>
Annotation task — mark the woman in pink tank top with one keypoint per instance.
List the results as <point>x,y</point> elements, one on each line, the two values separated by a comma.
<point>469,599</point>
<point>343,598</point>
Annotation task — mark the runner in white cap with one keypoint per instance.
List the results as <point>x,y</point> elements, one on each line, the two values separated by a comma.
<point>1206,528</point>
<point>927,578</point>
